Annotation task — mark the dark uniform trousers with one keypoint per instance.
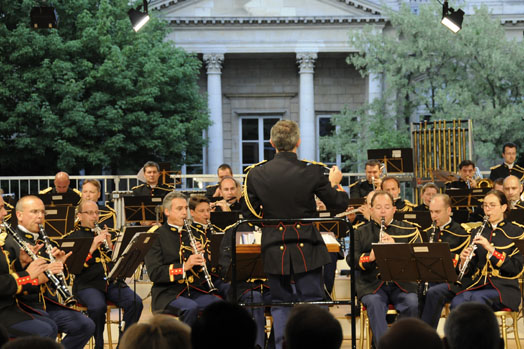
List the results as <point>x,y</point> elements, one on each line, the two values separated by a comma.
<point>93,291</point>
<point>77,327</point>
<point>481,282</point>
<point>375,294</point>
<point>285,188</point>
<point>174,291</point>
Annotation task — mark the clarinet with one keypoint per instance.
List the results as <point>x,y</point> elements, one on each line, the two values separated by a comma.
<point>192,240</point>
<point>474,246</point>
<point>211,229</point>
<point>48,249</point>
<point>431,239</point>
<point>61,287</point>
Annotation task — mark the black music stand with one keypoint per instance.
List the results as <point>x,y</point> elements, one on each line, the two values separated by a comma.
<point>249,266</point>
<point>214,249</point>
<point>141,208</point>
<point>516,215</point>
<point>422,218</point>
<point>396,160</point>
<point>59,220</point>
<point>80,248</point>
<point>466,198</point>
<point>133,255</point>
<point>333,226</point>
<point>124,238</point>
<point>69,198</point>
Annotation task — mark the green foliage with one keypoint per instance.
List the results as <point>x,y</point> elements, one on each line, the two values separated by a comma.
<point>476,74</point>
<point>93,94</point>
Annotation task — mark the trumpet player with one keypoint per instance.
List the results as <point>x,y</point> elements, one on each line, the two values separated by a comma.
<point>362,187</point>
<point>90,286</point>
<point>43,300</point>
<point>179,284</point>
<point>467,176</point>
<point>491,275</point>
<point>371,291</point>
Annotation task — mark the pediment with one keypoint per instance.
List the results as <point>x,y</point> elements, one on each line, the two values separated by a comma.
<point>246,9</point>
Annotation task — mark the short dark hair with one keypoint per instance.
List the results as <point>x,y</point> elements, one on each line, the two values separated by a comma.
<point>472,325</point>
<point>464,163</point>
<point>151,164</point>
<point>503,200</point>
<point>226,178</point>
<point>285,135</point>
<point>31,342</point>
<point>429,185</point>
<point>499,181</point>
<point>225,167</point>
<point>310,326</point>
<point>224,325</point>
<point>389,178</point>
<point>381,193</point>
<point>195,200</point>
<point>410,333</point>
<point>508,145</point>
<point>373,163</point>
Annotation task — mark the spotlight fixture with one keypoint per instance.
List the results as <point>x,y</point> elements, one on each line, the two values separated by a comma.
<point>44,17</point>
<point>138,19</point>
<point>452,19</point>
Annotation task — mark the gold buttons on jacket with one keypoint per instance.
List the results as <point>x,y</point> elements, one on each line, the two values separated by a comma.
<point>301,244</point>
<point>280,228</point>
<point>298,226</point>
<point>281,248</point>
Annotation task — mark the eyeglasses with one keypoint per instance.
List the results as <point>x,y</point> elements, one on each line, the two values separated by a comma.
<point>90,212</point>
<point>490,205</point>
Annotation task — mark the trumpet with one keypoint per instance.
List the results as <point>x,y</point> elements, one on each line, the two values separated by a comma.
<point>192,240</point>
<point>474,247</point>
<point>61,288</point>
<point>98,231</point>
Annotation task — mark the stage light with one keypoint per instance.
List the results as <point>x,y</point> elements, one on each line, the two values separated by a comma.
<point>138,18</point>
<point>44,17</point>
<point>452,19</point>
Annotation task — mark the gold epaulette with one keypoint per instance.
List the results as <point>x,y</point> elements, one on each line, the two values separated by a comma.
<point>496,166</point>
<point>138,186</point>
<point>408,203</point>
<point>358,225</point>
<point>45,191</point>
<point>78,192</point>
<point>211,185</point>
<point>249,168</point>
<point>469,226</point>
<point>518,224</point>
<point>166,189</point>
<point>153,229</point>
<point>315,163</point>
<point>109,208</point>
<point>414,224</point>
<point>357,182</point>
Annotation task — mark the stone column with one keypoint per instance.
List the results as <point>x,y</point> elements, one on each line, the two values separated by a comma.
<point>306,62</point>
<point>374,86</point>
<point>215,147</point>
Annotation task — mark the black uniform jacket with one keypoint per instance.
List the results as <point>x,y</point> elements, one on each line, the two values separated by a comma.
<point>403,205</point>
<point>11,284</point>
<point>367,278</point>
<point>96,266</point>
<point>502,269</point>
<point>502,171</point>
<point>164,262</point>
<point>146,190</point>
<point>421,207</point>
<point>360,189</point>
<point>210,191</point>
<point>454,234</point>
<point>285,187</point>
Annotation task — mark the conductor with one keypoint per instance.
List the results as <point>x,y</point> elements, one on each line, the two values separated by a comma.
<point>285,187</point>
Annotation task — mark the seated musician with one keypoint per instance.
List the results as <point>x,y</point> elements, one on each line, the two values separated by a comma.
<point>12,317</point>
<point>91,286</point>
<point>179,283</point>
<point>498,184</point>
<point>361,188</point>
<point>231,194</point>
<point>151,187</point>
<point>91,191</point>
<point>392,186</point>
<point>43,299</point>
<point>61,183</point>
<point>491,275</point>
<point>467,176</point>
<point>508,167</point>
<point>513,189</point>
<point>213,191</point>
<point>371,291</point>
<point>429,190</point>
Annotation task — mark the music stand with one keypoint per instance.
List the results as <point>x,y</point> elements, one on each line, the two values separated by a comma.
<point>80,248</point>
<point>68,198</point>
<point>327,226</point>
<point>124,238</point>
<point>141,208</point>
<point>214,249</point>
<point>422,218</point>
<point>396,160</point>
<point>59,220</point>
<point>132,256</point>
<point>224,219</point>
<point>516,215</point>
<point>248,263</point>
<point>466,198</point>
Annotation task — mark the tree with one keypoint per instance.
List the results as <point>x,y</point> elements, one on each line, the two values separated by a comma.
<point>93,94</point>
<point>476,74</point>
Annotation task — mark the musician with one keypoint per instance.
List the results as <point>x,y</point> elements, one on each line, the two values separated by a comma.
<point>429,190</point>
<point>12,317</point>
<point>498,184</point>
<point>361,188</point>
<point>491,276</point>
<point>512,189</point>
<point>91,190</point>
<point>392,186</point>
<point>179,284</point>
<point>151,187</point>
<point>213,191</point>
<point>467,176</point>
<point>30,212</point>
<point>285,187</point>
<point>91,286</point>
<point>375,294</point>
<point>508,167</point>
<point>230,190</point>
<point>61,183</point>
